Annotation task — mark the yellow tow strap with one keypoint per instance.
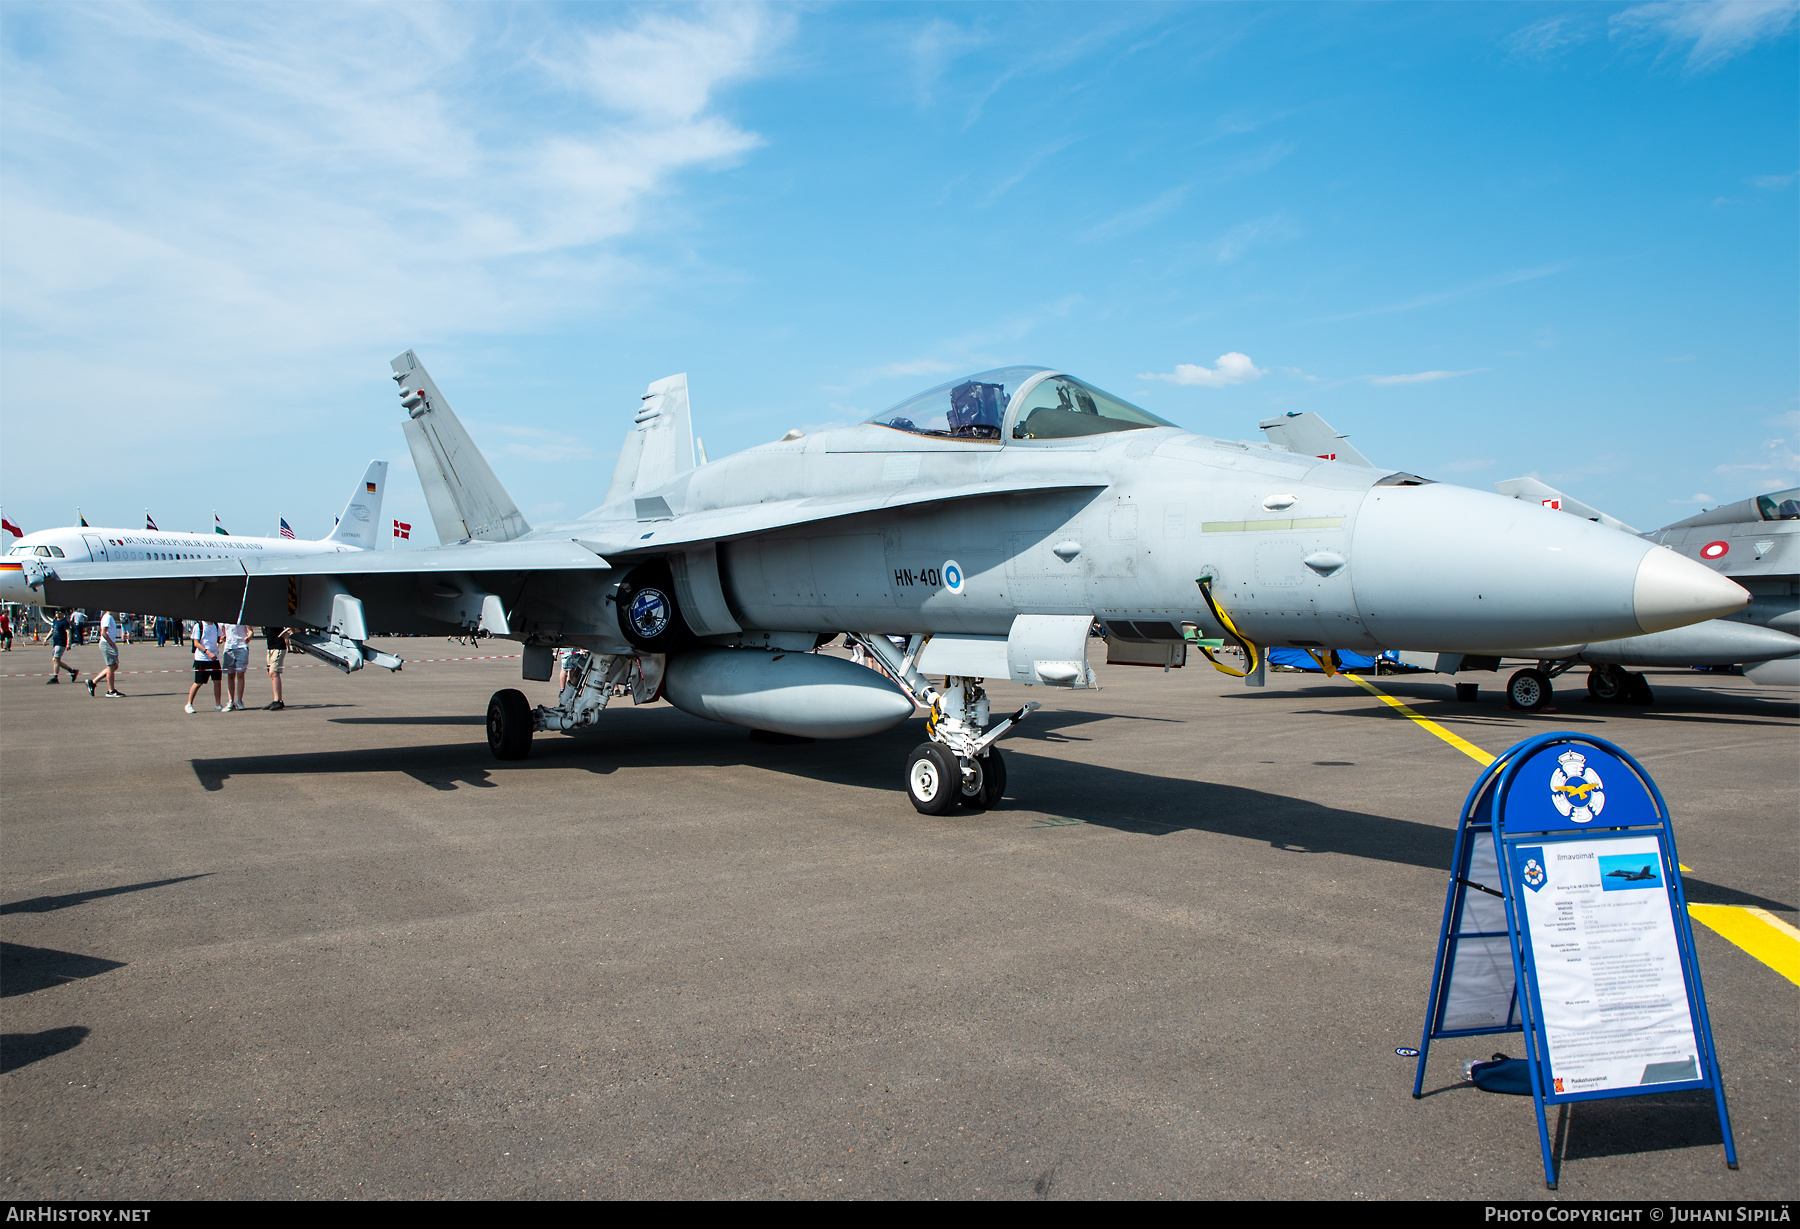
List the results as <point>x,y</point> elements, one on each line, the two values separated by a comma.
<point>1252,654</point>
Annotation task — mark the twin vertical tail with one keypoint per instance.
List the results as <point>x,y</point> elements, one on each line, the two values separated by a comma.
<point>660,445</point>
<point>465,498</point>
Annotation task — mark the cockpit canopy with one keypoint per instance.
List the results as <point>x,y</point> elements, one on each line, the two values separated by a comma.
<point>1028,403</point>
<point>1779,505</point>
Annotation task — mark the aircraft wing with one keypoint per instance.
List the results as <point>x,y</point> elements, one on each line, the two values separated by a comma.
<point>659,528</point>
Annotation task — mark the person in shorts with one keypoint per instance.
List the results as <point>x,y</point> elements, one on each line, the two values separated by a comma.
<point>5,632</point>
<point>276,638</point>
<point>59,644</point>
<point>236,662</point>
<point>206,664</point>
<point>109,651</point>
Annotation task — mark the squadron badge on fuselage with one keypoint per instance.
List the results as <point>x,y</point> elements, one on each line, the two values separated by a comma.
<point>1575,788</point>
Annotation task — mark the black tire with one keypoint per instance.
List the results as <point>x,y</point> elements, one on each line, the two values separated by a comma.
<point>933,780</point>
<point>1637,690</point>
<point>509,725</point>
<point>989,786</point>
<point>1607,684</point>
<point>1530,690</point>
<point>648,615</point>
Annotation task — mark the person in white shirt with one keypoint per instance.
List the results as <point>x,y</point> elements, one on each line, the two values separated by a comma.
<point>109,650</point>
<point>236,661</point>
<point>206,664</point>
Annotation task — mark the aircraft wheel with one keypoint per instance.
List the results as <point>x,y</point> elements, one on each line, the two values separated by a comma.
<point>933,781</point>
<point>990,782</point>
<point>1529,689</point>
<point>1606,684</point>
<point>509,725</point>
<point>1637,690</point>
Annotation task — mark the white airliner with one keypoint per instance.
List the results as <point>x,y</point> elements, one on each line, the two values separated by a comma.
<point>357,530</point>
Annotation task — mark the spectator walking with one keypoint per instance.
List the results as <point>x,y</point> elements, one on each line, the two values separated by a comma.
<point>277,638</point>
<point>78,627</point>
<point>59,643</point>
<point>236,663</point>
<point>206,664</point>
<point>109,652</point>
<point>162,630</point>
<point>5,632</point>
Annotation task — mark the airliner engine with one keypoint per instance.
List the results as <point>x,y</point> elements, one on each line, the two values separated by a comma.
<point>805,694</point>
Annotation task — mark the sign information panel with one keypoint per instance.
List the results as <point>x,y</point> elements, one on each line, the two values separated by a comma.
<point>1609,977</point>
<point>1565,921</point>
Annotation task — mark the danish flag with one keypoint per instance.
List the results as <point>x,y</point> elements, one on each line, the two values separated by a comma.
<point>1553,504</point>
<point>402,530</point>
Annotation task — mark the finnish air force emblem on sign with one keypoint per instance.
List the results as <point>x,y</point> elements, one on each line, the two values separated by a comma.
<point>1575,788</point>
<point>1534,874</point>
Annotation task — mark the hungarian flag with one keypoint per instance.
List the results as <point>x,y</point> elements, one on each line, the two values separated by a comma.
<point>218,528</point>
<point>285,531</point>
<point>402,530</point>
<point>11,528</point>
<point>150,524</point>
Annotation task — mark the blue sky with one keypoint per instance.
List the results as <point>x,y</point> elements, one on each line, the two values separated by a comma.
<point>1482,240</point>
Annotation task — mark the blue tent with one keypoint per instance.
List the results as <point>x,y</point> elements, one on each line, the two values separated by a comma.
<point>1300,659</point>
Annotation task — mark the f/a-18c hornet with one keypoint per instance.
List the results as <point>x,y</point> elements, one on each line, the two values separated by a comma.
<point>972,532</point>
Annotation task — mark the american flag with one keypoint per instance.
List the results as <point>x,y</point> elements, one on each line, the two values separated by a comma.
<point>285,531</point>
<point>403,530</point>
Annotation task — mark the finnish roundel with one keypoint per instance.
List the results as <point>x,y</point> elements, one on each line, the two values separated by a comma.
<point>953,576</point>
<point>1575,789</point>
<point>649,613</point>
<point>1715,550</point>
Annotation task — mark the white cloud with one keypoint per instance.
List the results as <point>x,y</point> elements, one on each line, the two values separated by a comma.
<point>1717,30</point>
<point>1242,237</point>
<point>1436,297</point>
<point>1138,216</point>
<point>1695,499</point>
<point>1421,377</point>
<point>1546,39</point>
<point>1232,368</point>
<point>1772,182</point>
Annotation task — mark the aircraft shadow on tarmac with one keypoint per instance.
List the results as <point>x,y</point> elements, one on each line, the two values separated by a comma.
<point>1120,799</point>
<point>22,1049</point>
<point>25,970</point>
<point>50,904</point>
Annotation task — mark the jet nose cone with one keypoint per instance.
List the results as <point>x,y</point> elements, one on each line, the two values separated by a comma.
<point>1673,591</point>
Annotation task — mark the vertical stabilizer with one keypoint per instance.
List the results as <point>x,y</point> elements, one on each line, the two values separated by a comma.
<point>661,445</point>
<point>1311,436</point>
<point>465,498</point>
<point>360,525</point>
<point>1530,490</point>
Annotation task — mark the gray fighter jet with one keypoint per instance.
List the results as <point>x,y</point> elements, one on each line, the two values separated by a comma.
<point>1754,542</point>
<point>972,532</point>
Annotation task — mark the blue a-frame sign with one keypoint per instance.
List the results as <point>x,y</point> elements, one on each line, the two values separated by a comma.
<point>1565,881</point>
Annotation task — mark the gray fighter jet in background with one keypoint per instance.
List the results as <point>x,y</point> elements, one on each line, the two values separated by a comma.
<point>984,524</point>
<point>1754,542</point>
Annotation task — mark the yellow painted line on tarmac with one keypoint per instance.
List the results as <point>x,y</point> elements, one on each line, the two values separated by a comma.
<point>1758,932</point>
<point>1455,740</point>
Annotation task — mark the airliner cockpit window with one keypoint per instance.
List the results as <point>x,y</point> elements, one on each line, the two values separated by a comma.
<point>1063,407</point>
<point>972,408</point>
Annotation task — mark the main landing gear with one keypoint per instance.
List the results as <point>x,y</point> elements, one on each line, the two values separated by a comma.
<point>594,678</point>
<point>960,766</point>
<point>1611,685</point>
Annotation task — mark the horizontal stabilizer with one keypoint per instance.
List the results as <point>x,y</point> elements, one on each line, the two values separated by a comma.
<point>360,525</point>
<point>465,498</point>
<point>1308,435</point>
<point>1530,490</point>
<point>660,445</point>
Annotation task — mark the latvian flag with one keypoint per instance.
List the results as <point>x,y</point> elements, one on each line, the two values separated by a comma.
<point>150,524</point>
<point>286,532</point>
<point>402,530</point>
